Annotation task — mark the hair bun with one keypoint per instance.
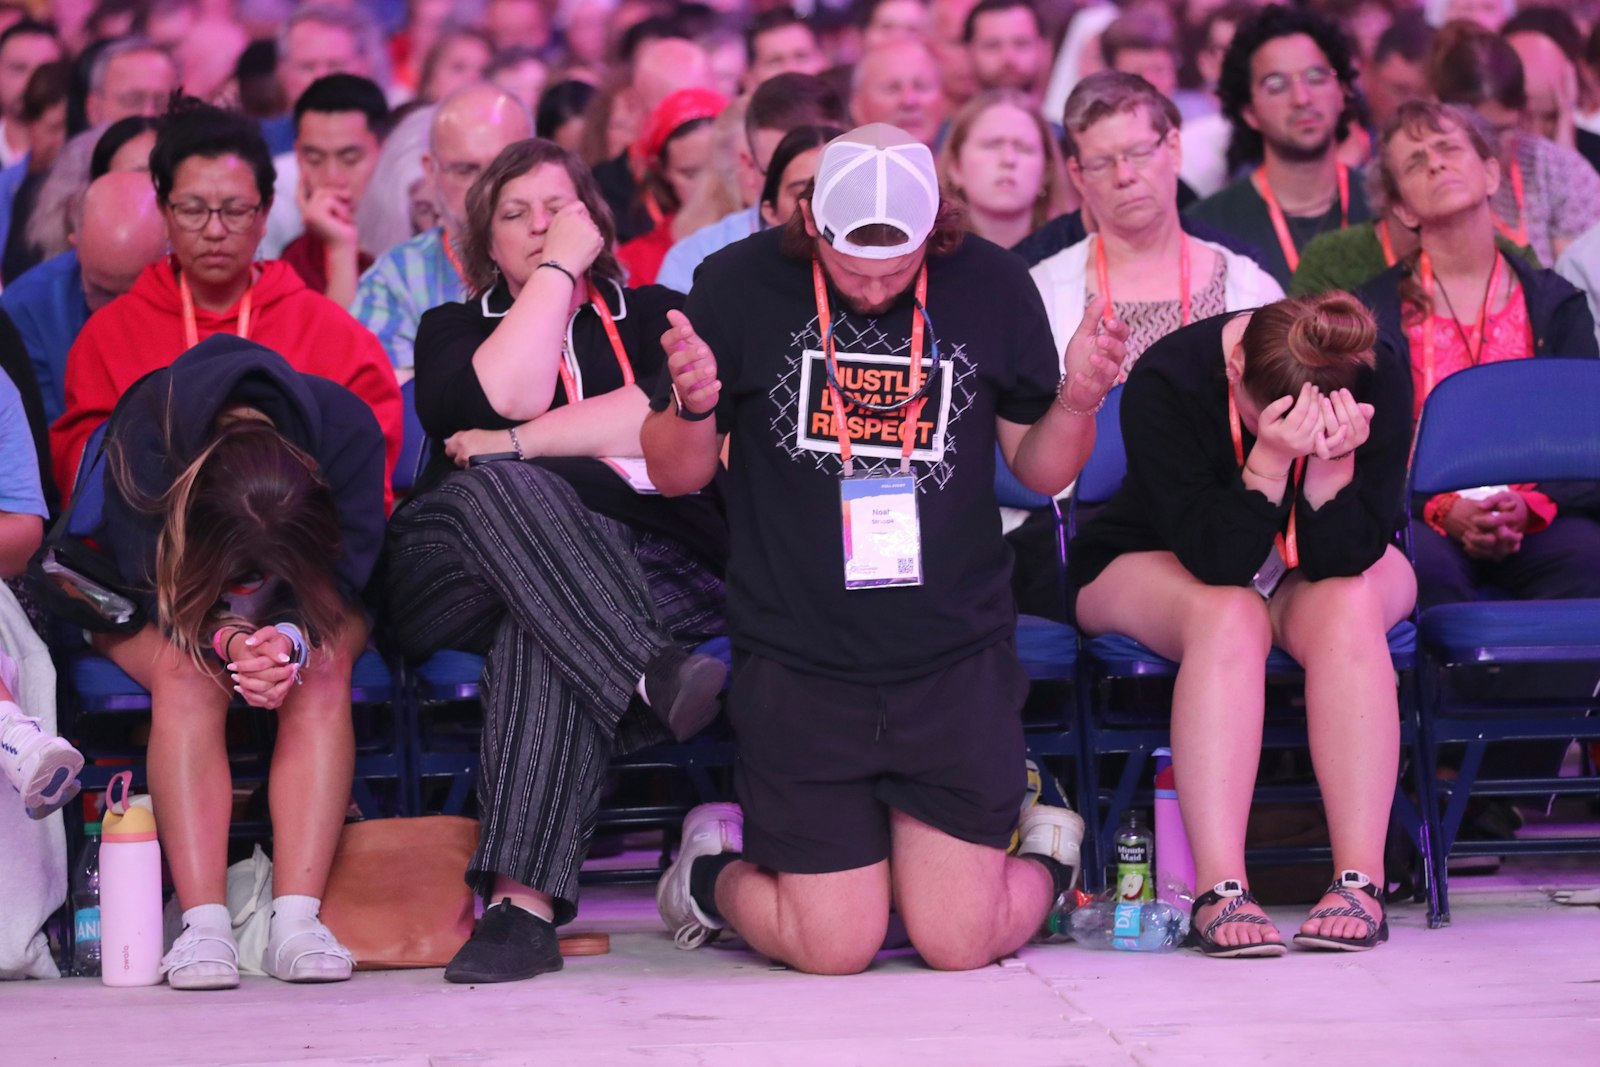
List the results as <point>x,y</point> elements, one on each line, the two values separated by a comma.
<point>1335,328</point>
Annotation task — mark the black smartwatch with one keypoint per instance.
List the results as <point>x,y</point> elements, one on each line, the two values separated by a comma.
<point>684,413</point>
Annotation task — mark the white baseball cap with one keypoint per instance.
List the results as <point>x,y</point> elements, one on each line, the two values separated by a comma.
<point>875,175</point>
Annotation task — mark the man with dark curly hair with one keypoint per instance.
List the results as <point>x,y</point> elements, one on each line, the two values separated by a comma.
<point>1287,85</point>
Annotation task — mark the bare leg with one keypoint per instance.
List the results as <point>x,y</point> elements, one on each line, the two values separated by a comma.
<point>964,905</point>
<point>190,782</point>
<point>529,899</point>
<point>1220,637</point>
<point>1335,628</point>
<point>312,764</point>
<point>818,923</point>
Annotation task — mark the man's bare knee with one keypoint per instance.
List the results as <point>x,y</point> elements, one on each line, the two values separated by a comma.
<point>946,952</point>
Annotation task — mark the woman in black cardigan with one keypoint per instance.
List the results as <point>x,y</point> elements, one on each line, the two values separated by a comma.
<point>582,593</point>
<point>244,507</point>
<point>1266,465</point>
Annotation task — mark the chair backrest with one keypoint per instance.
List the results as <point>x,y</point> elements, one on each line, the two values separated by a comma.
<point>1102,475</point>
<point>413,442</point>
<point>1525,420</point>
<point>89,491</point>
<point>1011,493</point>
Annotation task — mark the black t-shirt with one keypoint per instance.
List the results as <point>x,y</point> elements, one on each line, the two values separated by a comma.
<point>1239,209</point>
<point>1183,492</point>
<point>756,309</point>
<point>450,398</point>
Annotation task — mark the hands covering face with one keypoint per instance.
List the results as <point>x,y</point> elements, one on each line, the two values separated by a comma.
<point>1322,426</point>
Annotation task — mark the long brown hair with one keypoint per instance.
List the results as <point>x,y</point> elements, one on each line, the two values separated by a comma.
<point>483,198</point>
<point>1325,340</point>
<point>250,503</point>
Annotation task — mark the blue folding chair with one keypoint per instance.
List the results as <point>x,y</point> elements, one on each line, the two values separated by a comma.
<point>1503,424</point>
<point>1125,696</point>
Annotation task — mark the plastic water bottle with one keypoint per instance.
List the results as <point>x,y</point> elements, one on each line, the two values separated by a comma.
<point>1135,855</point>
<point>1130,927</point>
<point>130,881</point>
<point>86,905</point>
<point>1174,861</point>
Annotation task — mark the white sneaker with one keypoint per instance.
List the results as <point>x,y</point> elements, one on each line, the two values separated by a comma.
<point>1055,832</point>
<point>304,950</point>
<point>708,830</point>
<point>42,767</point>
<point>203,957</point>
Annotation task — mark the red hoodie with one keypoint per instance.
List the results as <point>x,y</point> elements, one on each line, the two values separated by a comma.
<point>143,331</point>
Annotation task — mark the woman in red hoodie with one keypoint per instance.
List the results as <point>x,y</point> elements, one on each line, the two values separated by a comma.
<point>213,175</point>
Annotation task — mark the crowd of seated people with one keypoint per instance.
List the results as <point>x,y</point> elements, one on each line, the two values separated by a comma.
<point>681,286</point>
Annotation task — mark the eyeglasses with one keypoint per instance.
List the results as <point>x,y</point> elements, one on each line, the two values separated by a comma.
<point>192,216</point>
<point>1311,78</point>
<point>1138,157</point>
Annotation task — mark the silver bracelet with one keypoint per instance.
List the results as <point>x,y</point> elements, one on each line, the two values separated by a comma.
<point>1061,401</point>
<point>515,444</point>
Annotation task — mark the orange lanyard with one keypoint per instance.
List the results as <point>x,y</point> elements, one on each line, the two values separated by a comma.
<point>450,254</point>
<point>1104,274</point>
<point>1289,546</point>
<point>1518,236</point>
<point>1280,225</point>
<point>911,408</point>
<point>1382,227</point>
<point>569,380</point>
<point>1475,340</point>
<point>191,329</point>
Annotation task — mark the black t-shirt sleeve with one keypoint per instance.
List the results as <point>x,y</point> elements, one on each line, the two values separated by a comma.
<point>650,304</point>
<point>1220,530</point>
<point>1035,363</point>
<point>1349,533</point>
<point>449,396</point>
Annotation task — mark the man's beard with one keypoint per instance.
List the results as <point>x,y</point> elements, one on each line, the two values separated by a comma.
<point>1291,152</point>
<point>870,311</point>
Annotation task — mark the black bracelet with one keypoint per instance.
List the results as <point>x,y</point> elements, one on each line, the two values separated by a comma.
<point>553,265</point>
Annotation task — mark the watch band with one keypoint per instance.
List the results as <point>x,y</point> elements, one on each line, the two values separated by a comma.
<point>684,413</point>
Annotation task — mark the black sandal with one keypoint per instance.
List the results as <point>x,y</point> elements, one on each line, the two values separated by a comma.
<point>1237,896</point>
<point>1377,930</point>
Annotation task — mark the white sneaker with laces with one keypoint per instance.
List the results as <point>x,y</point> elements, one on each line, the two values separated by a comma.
<point>708,830</point>
<point>1046,830</point>
<point>42,767</point>
<point>304,950</point>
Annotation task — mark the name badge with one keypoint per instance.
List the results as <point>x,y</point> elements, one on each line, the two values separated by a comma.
<point>1272,572</point>
<point>882,532</point>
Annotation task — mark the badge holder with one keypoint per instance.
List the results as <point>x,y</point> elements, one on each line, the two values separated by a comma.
<point>882,531</point>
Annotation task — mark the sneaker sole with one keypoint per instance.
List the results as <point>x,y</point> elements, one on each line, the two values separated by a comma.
<point>714,811</point>
<point>697,703</point>
<point>54,781</point>
<point>465,976</point>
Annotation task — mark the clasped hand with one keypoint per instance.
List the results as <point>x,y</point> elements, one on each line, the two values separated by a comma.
<point>263,667</point>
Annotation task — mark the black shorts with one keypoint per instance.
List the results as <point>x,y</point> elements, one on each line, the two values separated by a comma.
<point>822,761</point>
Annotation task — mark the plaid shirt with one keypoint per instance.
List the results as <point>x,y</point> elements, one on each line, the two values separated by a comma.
<point>406,281</point>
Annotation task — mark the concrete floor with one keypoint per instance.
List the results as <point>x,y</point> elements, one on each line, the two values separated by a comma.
<point>1514,979</point>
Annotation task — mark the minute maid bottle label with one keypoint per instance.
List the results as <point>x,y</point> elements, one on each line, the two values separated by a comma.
<point>86,924</point>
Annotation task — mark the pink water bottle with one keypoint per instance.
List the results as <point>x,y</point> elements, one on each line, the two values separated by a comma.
<point>1174,862</point>
<point>130,889</point>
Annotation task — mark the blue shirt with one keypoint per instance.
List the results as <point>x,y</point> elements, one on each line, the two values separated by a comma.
<point>20,492</point>
<point>48,308</point>
<point>409,279</point>
<point>684,257</point>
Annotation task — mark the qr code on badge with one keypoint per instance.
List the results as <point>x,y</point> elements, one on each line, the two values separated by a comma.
<point>906,566</point>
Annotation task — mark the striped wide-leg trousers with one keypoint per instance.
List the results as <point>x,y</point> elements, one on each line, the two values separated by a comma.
<point>568,607</point>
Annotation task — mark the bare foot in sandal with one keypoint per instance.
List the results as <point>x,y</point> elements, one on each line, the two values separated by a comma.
<point>1349,918</point>
<point>1228,922</point>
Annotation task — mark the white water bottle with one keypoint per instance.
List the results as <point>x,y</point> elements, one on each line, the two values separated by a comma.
<point>130,889</point>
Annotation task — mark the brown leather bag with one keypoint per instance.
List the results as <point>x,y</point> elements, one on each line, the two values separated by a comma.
<point>397,895</point>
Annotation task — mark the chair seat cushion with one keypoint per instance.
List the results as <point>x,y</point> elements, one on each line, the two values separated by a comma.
<point>1513,631</point>
<point>1119,655</point>
<point>1048,650</point>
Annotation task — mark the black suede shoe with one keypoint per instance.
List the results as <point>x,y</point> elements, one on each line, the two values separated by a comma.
<point>508,945</point>
<point>683,690</point>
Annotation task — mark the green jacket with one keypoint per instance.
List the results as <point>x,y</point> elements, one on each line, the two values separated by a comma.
<point>1347,259</point>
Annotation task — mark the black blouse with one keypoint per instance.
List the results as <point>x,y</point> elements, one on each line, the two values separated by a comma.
<point>1184,492</point>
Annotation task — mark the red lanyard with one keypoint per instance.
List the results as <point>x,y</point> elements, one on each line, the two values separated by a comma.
<point>1475,340</point>
<point>191,329</point>
<point>1518,236</point>
<point>912,408</point>
<point>569,380</point>
<point>1289,546</point>
<point>1382,227</point>
<point>1104,274</point>
<point>450,254</point>
<point>1280,225</point>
